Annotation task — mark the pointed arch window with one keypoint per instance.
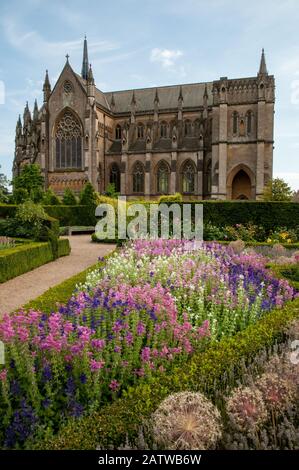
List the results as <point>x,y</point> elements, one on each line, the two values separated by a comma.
<point>140,131</point>
<point>118,132</point>
<point>188,128</point>
<point>162,178</point>
<point>197,127</point>
<point>188,177</point>
<point>163,130</point>
<point>68,141</point>
<point>138,178</point>
<point>114,177</point>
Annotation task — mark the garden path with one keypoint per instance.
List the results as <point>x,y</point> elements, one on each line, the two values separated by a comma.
<point>20,290</point>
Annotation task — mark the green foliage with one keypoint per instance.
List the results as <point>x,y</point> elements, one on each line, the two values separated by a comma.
<point>277,190</point>
<point>36,195</point>
<point>23,258</point>
<point>69,216</point>
<point>88,195</point>
<point>69,198</point>
<point>4,184</point>
<point>209,372</point>
<point>50,198</point>
<point>111,192</point>
<point>177,197</point>
<point>287,271</point>
<point>30,178</point>
<point>20,195</point>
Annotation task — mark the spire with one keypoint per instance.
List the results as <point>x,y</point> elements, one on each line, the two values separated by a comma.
<point>112,103</point>
<point>205,95</point>
<point>263,68</point>
<point>180,98</point>
<point>90,78</point>
<point>84,72</point>
<point>19,127</point>
<point>133,100</point>
<point>46,87</point>
<point>47,81</point>
<point>19,122</point>
<point>156,100</point>
<point>35,111</point>
<point>27,114</point>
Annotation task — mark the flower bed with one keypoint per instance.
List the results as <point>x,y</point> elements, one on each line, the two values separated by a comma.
<point>152,304</point>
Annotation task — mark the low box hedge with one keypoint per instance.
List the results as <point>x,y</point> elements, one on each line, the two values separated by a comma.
<point>25,257</point>
<point>206,371</point>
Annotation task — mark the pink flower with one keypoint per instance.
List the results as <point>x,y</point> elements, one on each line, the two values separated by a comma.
<point>96,365</point>
<point>98,343</point>
<point>145,354</point>
<point>3,375</point>
<point>114,385</point>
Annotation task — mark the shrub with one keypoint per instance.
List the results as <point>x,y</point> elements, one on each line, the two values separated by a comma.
<point>111,192</point>
<point>69,198</point>
<point>88,196</point>
<point>177,197</point>
<point>186,421</point>
<point>50,198</point>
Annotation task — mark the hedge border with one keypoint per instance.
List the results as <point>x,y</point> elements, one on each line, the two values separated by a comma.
<point>219,213</point>
<point>23,258</point>
<point>123,418</point>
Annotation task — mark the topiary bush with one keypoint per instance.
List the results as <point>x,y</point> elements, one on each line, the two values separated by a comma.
<point>69,198</point>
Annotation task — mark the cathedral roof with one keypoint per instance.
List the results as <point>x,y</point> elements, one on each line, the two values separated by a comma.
<point>168,97</point>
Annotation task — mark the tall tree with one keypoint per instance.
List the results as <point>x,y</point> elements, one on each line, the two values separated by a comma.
<point>4,184</point>
<point>31,178</point>
<point>277,190</point>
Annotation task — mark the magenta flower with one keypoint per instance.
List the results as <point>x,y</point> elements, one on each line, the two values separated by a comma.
<point>114,385</point>
<point>96,365</point>
<point>3,375</point>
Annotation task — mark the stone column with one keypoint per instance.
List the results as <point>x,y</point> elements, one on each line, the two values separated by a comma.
<point>147,175</point>
<point>173,173</point>
<point>123,174</point>
<point>260,156</point>
<point>199,166</point>
<point>222,151</point>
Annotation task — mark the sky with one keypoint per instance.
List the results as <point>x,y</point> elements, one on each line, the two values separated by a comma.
<point>136,44</point>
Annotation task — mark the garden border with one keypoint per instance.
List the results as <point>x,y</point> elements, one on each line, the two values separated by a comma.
<point>123,418</point>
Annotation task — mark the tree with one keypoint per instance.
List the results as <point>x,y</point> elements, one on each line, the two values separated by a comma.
<point>69,198</point>
<point>277,190</point>
<point>50,198</point>
<point>88,195</point>
<point>4,183</point>
<point>30,178</point>
<point>296,196</point>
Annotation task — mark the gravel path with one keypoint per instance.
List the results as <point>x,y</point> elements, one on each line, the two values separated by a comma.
<point>20,290</point>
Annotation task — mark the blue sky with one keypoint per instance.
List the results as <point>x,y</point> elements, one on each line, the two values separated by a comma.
<point>135,44</point>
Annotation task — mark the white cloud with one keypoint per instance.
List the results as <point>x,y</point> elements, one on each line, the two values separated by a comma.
<point>166,57</point>
<point>33,44</point>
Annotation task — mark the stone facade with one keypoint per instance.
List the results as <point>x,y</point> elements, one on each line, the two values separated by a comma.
<point>205,140</point>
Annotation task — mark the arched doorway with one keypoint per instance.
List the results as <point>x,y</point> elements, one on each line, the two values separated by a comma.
<point>241,186</point>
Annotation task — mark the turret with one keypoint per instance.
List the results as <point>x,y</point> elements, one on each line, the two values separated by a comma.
<point>47,88</point>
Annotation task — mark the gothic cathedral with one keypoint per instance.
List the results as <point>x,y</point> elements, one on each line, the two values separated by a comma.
<point>205,140</point>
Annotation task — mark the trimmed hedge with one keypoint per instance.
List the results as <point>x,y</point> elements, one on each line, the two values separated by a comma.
<point>24,258</point>
<point>219,213</point>
<point>207,371</point>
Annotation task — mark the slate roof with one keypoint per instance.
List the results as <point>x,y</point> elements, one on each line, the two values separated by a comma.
<point>168,97</point>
